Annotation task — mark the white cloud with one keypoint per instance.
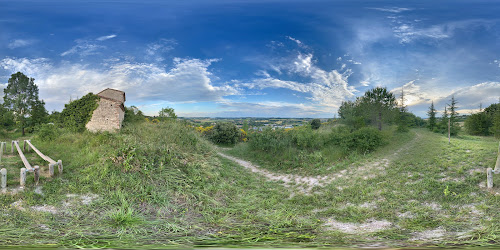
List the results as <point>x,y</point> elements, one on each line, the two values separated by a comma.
<point>20,43</point>
<point>327,88</point>
<point>102,38</point>
<point>413,94</point>
<point>83,48</point>
<point>160,46</point>
<point>392,10</point>
<point>188,81</point>
<point>471,97</point>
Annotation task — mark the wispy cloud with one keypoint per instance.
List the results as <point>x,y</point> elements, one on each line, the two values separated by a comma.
<point>83,48</point>
<point>18,43</point>
<point>327,88</point>
<point>392,9</point>
<point>102,38</point>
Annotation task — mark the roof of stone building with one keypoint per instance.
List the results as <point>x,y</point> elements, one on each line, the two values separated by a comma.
<point>113,95</point>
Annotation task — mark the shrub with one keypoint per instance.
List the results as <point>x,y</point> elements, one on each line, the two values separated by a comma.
<point>315,123</point>
<point>133,115</point>
<point>224,133</point>
<point>47,132</point>
<point>305,138</point>
<point>363,140</point>
<point>270,140</point>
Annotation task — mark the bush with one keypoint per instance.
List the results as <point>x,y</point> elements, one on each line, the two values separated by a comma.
<point>305,138</point>
<point>363,140</point>
<point>47,132</point>
<point>315,123</point>
<point>270,140</point>
<point>224,133</point>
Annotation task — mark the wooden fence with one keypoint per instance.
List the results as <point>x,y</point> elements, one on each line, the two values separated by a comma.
<point>27,166</point>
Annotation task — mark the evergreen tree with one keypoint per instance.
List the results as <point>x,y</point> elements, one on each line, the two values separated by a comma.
<point>443,125</point>
<point>402,114</point>
<point>454,128</point>
<point>432,117</point>
<point>379,103</point>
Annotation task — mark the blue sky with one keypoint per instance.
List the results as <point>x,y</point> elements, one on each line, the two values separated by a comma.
<point>256,58</point>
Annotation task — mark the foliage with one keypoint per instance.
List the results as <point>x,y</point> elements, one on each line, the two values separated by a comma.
<point>379,104</point>
<point>432,117</point>
<point>483,122</point>
<point>363,140</point>
<point>315,123</point>
<point>6,117</point>
<point>376,107</point>
<point>454,128</point>
<point>351,114</point>
<point>47,132</point>
<point>39,115</point>
<point>224,133</point>
<point>133,115</point>
<point>403,117</point>
<point>21,97</point>
<point>78,113</point>
<point>167,114</point>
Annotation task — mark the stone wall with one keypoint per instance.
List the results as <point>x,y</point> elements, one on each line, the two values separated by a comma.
<point>107,117</point>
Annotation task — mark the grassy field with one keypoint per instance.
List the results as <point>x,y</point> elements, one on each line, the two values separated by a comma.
<point>163,185</point>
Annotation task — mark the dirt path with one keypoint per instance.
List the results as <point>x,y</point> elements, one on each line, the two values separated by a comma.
<point>305,184</point>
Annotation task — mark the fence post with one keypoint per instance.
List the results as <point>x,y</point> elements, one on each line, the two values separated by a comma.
<point>51,169</point>
<point>4,177</point>
<point>1,150</point>
<point>22,180</point>
<point>60,166</point>
<point>489,178</point>
<point>37,174</point>
<point>24,146</point>
<point>12,147</point>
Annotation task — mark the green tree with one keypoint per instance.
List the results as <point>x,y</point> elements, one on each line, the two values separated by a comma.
<point>495,128</point>
<point>167,114</point>
<point>403,115</point>
<point>21,96</point>
<point>315,123</point>
<point>351,114</point>
<point>443,125</point>
<point>379,103</point>
<point>432,117</point>
<point>133,115</point>
<point>454,128</point>
<point>39,114</point>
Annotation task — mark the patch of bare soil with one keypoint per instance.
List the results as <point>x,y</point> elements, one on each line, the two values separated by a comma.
<point>370,226</point>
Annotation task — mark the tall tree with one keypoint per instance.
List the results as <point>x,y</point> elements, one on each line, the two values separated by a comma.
<point>443,125</point>
<point>432,116</point>
<point>380,103</point>
<point>453,116</point>
<point>20,96</point>
<point>403,115</point>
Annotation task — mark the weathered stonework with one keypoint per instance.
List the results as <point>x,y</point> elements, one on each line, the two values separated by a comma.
<point>110,113</point>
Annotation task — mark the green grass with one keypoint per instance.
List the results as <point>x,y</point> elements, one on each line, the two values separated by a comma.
<point>163,185</point>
